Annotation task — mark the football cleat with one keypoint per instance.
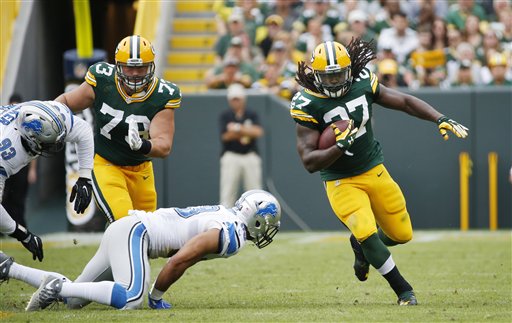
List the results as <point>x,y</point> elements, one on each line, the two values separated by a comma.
<point>361,265</point>
<point>5,265</point>
<point>47,294</point>
<point>407,298</point>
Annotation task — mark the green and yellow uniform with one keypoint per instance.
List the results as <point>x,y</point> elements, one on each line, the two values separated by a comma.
<point>124,177</point>
<point>361,192</point>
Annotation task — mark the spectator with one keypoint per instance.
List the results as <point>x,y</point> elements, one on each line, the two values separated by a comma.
<point>235,27</point>
<point>454,39</point>
<point>239,161</point>
<point>465,53</point>
<point>312,37</point>
<point>273,25</point>
<point>288,10</point>
<point>322,11</point>
<point>383,19</point>
<point>229,73</point>
<point>16,186</point>
<point>464,75</point>
<point>358,24</point>
<point>505,27</point>
<point>471,32</point>
<point>387,71</point>
<point>498,67</point>
<point>490,45</point>
<point>458,13</point>
<point>400,38</point>
<point>238,51</point>
<point>439,34</point>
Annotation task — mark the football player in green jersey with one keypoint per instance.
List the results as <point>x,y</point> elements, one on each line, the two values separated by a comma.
<point>360,190</point>
<point>134,121</point>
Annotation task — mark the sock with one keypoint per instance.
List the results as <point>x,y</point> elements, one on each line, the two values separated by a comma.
<point>397,282</point>
<point>105,292</point>
<point>385,239</point>
<point>375,251</point>
<point>31,276</point>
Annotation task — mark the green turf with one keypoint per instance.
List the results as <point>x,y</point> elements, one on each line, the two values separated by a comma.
<point>304,277</point>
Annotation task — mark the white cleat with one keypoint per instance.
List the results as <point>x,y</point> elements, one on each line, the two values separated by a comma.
<point>47,294</point>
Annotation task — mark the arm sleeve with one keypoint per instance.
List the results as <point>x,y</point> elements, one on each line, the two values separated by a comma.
<point>7,224</point>
<point>82,136</point>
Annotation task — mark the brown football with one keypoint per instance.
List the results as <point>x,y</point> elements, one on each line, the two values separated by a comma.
<point>327,138</point>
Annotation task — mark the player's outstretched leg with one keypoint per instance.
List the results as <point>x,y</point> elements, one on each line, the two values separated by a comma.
<point>5,266</point>
<point>47,294</point>
<point>361,265</point>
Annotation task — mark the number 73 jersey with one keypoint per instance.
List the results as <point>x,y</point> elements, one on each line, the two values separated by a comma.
<point>316,111</point>
<point>114,109</point>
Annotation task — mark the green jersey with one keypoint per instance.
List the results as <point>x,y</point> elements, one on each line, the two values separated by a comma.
<point>113,109</point>
<point>317,111</point>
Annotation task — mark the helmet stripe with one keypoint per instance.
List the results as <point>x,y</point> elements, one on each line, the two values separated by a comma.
<point>331,53</point>
<point>50,113</point>
<point>134,47</point>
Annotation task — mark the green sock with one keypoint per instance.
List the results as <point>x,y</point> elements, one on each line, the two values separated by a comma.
<point>385,239</point>
<point>375,251</point>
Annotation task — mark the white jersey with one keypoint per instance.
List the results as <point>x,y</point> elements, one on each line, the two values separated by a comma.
<point>170,228</point>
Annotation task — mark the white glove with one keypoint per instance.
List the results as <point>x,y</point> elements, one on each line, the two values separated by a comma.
<point>133,135</point>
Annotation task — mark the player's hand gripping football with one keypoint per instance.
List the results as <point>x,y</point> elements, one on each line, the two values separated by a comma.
<point>345,139</point>
<point>158,304</point>
<point>81,194</point>
<point>134,138</point>
<point>445,124</point>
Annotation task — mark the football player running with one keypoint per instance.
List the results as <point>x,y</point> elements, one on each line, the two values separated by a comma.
<point>35,128</point>
<point>360,190</point>
<point>134,121</point>
<point>118,274</point>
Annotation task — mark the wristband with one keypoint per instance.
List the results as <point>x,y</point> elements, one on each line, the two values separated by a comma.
<point>20,233</point>
<point>145,148</point>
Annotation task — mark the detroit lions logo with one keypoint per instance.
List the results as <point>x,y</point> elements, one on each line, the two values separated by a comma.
<point>269,209</point>
<point>34,125</point>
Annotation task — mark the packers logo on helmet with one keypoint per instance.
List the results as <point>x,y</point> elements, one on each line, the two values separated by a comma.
<point>135,51</point>
<point>331,66</point>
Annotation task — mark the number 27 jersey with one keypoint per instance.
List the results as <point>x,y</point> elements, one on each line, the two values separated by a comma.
<point>316,111</point>
<point>113,109</point>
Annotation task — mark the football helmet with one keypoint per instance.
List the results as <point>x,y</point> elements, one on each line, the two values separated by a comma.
<point>135,51</point>
<point>42,127</point>
<point>261,213</point>
<point>332,70</point>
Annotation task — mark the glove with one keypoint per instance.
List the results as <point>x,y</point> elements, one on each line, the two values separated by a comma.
<point>82,190</point>
<point>134,138</point>
<point>158,304</point>
<point>34,244</point>
<point>346,138</point>
<point>446,124</point>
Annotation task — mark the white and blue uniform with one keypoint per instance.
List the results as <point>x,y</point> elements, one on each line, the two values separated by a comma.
<point>128,243</point>
<point>14,157</point>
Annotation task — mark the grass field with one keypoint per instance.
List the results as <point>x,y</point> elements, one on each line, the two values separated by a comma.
<point>301,277</point>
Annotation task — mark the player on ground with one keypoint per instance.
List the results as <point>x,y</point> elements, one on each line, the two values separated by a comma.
<point>118,274</point>
<point>134,121</point>
<point>360,190</point>
<point>35,128</point>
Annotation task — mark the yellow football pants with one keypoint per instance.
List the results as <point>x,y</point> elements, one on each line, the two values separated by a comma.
<point>373,198</point>
<point>118,189</point>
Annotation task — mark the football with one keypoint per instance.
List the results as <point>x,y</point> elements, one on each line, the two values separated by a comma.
<point>327,138</point>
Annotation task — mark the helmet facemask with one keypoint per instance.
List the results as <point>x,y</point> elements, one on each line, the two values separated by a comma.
<point>136,83</point>
<point>334,81</point>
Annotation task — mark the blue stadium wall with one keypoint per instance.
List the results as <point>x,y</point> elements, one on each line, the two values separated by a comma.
<point>425,166</point>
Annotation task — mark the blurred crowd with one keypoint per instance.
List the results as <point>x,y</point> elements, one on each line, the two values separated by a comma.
<point>419,43</point>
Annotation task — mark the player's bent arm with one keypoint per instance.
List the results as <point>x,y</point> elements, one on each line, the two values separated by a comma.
<point>393,99</point>
<point>82,135</point>
<point>192,252</point>
<point>78,99</point>
<point>314,159</point>
<point>161,132</point>
<point>253,131</point>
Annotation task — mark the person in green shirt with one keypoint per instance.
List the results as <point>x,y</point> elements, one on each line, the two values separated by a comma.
<point>362,193</point>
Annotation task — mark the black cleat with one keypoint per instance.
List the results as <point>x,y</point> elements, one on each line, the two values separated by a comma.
<point>5,265</point>
<point>361,265</point>
<point>407,298</point>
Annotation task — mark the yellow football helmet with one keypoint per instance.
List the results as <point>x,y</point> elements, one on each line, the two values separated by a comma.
<point>135,51</point>
<point>332,70</point>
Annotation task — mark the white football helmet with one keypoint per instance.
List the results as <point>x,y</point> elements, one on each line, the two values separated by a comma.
<point>42,127</point>
<point>261,213</point>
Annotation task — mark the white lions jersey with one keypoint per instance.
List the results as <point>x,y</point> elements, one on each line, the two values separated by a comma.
<point>170,228</point>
